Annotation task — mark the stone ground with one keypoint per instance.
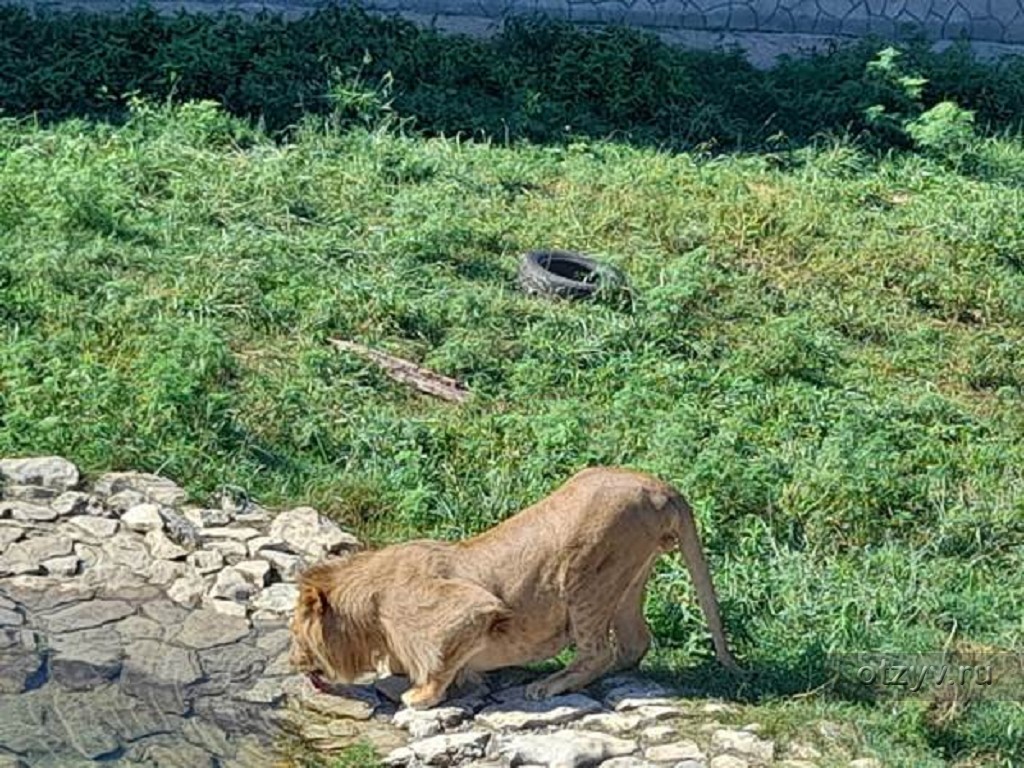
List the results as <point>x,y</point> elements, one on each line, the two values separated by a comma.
<point>136,629</point>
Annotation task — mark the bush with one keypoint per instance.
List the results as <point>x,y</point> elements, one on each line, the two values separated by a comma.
<point>537,80</point>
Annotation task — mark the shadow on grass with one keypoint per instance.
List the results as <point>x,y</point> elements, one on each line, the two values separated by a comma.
<point>810,673</point>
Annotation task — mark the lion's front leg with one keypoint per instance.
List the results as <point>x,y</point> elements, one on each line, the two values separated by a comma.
<point>450,624</point>
<point>594,655</point>
<point>428,694</point>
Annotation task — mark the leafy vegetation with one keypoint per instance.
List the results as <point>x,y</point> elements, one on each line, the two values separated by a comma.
<point>541,81</point>
<point>822,348</point>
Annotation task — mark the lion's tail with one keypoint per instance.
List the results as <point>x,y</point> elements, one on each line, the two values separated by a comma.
<point>696,564</point>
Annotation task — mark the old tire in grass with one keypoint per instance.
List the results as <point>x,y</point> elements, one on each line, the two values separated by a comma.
<point>565,274</point>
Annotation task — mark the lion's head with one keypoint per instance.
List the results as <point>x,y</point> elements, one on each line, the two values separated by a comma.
<point>333,634</point>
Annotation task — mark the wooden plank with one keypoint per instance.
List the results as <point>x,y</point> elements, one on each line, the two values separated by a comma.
<point>409,373</point>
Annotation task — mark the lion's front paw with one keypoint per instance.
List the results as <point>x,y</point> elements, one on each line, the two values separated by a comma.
<point>538,691</point>
<point>421,697</point>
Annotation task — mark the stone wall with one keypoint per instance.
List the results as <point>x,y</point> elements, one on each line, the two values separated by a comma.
<point>764,28</point>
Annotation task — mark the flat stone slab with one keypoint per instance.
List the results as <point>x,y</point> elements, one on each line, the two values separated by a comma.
<point>84,615</point>
<point>518,714</point>
<point>205,628</point>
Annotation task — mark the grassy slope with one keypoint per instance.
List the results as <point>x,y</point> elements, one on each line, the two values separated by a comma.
<point>823,352</point>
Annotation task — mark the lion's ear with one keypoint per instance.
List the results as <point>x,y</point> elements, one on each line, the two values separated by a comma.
<point>314,600</point>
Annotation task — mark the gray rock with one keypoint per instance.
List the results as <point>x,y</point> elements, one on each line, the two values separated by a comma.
<point>25,557</point>
<point>180,530</point>
<point>277,598</point>
<point>163,548</point>
<point>424,723</point>
<point>126,550</point>
<point>634,693</point>
<point>25,512</point>
<point>92,528</point>
<point>274,641</point>
<point>10,618</point>
<point>724,761</point>
<point>160,674</point>
<point>10,533</point>
<point>210,738</point>
<point>206,561</point>
<point>168,752</point>
<point>138,628</point>
<point>232,551</point>
<point>84,615</point>
<point>352,703</point>
<point>801,750</point>
<point>226,607</point>
<point>157,489</point>
<point>450,748</point>
<point>611,722</point>
<point>233,584</point>
<point>17,669</point>
<point>86,659</point>
<point>120,502</point>
<point>62,566</point>
<point>256,543</point>
<point>280,665</point>
<point>71,503</point>
<point>286,566</point>
<point>43,593</point>
<point>743,744</point>
<point>23,726</point>
<point>109,578</point>
<point>520,714</point>
<point>659,734</point>
<point>206,629</point>
<point>563,749</point>
<point>188,590</point>
<point>47,471</point>
<point>89,554</point>
<point>164,612</point>
<point>654,713</point>
<point>674,752</point>
<point>165,572</point>
<point>31,493</point>
<point>264,691</point>
<point>232,533</point>
<point>308,533</point>
<point>237,717</point>
<point>257,571</point>
<point>636,762</point>
<point>237,665</point>
<point>206,518</point>
<point>143,518</point>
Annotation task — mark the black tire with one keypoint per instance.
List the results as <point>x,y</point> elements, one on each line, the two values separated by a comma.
<point>565,274</point>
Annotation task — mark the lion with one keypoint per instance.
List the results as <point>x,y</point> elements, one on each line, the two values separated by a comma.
<point>571,569</point>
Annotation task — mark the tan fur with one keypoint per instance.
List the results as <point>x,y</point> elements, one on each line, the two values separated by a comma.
<point>570,569</point>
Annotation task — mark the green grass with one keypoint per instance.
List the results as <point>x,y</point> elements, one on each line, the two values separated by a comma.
<point>823,351</point>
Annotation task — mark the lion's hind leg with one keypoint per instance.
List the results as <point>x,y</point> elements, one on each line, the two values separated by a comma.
<point>455,620</point>
<point>629,627</point>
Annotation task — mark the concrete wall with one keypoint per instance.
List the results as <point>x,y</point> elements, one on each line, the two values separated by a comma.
<point>764,28</point>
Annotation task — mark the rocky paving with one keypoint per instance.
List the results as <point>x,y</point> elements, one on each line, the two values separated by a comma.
<point>117,646</point>
<point>138,630</point>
